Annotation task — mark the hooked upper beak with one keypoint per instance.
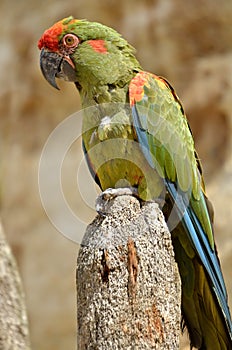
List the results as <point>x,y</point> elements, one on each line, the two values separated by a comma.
<point>55,66</point>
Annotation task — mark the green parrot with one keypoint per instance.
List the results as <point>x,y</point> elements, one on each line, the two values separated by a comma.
<point>136,135</point>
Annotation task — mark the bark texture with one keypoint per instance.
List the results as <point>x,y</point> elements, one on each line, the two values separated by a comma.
<point>128,285</point>
<point>14,334</point>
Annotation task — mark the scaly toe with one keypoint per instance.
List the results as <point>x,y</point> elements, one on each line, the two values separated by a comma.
<point>111,193</point>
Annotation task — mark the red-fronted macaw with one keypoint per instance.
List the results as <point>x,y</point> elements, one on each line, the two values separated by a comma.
<point>136,134</point>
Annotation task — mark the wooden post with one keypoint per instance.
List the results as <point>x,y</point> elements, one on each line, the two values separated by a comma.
<point>128,285</point>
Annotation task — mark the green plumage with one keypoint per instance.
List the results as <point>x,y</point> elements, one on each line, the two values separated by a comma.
<point>171,143</point>
<point>135,133</point>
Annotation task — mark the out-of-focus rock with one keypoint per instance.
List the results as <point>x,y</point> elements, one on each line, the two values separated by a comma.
<point>190,45</point>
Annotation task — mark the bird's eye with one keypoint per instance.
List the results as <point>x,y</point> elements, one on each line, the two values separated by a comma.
<point>70,40</point>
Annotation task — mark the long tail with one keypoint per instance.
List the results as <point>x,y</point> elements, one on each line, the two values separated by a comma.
<point>204,298</point>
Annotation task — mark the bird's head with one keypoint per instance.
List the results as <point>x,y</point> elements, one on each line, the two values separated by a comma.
<point>86,53</point>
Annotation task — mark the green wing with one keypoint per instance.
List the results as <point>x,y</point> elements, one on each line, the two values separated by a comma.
<point>169,140</point>
<point>167,143</point>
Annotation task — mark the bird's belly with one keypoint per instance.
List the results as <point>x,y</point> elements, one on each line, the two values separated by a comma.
<point>120,163</point>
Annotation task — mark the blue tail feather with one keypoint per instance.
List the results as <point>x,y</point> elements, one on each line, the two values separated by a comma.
<point>193,228</point>
<point>203,249</point>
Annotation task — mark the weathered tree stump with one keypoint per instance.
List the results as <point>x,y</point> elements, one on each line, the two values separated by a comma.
<point>128,285</point>
<point>14,333</point>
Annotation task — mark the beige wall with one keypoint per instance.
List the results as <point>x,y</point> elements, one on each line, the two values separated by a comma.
<point>190,45</point>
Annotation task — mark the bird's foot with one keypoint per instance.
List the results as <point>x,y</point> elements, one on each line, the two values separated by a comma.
<point>111,193</point>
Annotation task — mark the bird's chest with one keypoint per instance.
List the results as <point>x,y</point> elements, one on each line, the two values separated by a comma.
<point>115,156</point>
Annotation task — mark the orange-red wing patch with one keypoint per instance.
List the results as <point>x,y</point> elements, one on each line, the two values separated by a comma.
<point>136,88</point>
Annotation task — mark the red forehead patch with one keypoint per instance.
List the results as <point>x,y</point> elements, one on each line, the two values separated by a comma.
<point>49,39</point>
<point>98,45</point>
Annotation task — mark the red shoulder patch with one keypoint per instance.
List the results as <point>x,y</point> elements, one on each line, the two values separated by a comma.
<point>98,45</point>
<point>136,90</point>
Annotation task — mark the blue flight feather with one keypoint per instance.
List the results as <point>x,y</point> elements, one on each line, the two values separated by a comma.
<point>192,227</point>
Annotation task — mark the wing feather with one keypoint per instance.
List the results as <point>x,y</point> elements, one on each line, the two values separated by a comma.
<point>166,139</point>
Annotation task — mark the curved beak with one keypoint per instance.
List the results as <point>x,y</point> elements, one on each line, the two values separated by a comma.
<point>50,64</point>
<point>55,66</point>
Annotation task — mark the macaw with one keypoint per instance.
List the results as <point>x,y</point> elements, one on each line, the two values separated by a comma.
<point>135,134</point>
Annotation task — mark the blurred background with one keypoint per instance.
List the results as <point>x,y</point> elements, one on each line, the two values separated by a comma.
<point>190,44</point>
